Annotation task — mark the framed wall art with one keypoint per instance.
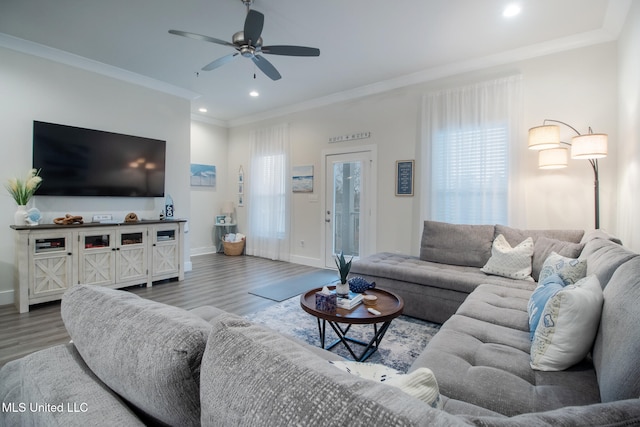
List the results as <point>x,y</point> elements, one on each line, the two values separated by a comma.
<point>404,177</point>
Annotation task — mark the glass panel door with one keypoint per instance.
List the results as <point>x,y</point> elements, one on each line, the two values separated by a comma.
<point>347,212</point>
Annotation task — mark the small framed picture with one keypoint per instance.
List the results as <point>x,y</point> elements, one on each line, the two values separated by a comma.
<point>404,177</point>
<point>220,219</point>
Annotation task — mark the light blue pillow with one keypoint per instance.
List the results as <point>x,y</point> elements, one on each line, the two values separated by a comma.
<point>548,288</point>
<point>571,270</point>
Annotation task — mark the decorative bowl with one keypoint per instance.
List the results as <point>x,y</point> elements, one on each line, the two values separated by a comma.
<point>369,300</point>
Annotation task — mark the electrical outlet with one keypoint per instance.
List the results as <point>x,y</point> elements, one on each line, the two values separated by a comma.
<point>302,243</point>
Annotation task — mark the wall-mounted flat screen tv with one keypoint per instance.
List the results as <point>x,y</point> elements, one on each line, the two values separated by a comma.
<point>75,161</point>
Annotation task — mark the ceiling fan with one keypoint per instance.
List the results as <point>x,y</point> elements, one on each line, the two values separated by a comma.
<point>248,43</point>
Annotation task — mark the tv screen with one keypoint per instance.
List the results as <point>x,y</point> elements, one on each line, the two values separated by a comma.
<point>75,161</point>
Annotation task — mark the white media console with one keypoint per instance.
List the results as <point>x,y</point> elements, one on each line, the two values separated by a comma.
<point>52,258</point>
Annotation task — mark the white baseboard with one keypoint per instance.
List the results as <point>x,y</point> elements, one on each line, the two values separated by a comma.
<point>188,266</point>
<point>6,297</point>
<point>203,250</point>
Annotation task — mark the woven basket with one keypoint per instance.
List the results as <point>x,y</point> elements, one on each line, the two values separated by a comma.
<point>233,248</point>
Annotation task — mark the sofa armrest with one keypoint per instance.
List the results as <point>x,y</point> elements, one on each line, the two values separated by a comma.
<point>54,387</point>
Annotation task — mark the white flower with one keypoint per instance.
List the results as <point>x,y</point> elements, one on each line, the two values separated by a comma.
<point>22,191</point>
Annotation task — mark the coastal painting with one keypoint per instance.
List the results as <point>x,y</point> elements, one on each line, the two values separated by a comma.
<point>302,179</point>
<point>203,175</point>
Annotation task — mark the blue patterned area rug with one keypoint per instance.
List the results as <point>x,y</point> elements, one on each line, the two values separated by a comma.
<point>404,341</point>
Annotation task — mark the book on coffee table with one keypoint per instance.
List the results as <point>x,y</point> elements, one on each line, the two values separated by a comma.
<point>350,301</point>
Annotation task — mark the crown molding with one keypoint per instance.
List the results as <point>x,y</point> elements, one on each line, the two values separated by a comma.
<point>209,120</point>
<point>57,55</point>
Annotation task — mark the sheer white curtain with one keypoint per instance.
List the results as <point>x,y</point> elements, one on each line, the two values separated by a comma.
<point>469,150</point>
<point>268,194</point>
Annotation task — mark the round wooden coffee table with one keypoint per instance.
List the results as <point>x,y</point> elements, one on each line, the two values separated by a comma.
<point>388,304</point>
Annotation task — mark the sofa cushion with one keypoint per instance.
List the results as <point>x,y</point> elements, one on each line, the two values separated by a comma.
<point>149,353</point>
<point>515,235</point>
<point>617,344</point>
<point>604,257</point>
<point>456,244</point>
<point>252,375</point>
<point>545,246</point>
<point>414,270</point>
<point>510,262</point>
<point>568,326</point>
<point>481,356</point>
<point>59,377</point>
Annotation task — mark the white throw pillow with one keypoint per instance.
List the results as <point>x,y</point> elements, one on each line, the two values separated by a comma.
<point>568,326</point>
<point>420,383</point>
<point>513,263</point>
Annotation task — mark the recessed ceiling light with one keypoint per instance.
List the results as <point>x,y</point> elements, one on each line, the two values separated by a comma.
<point>202,110</point>
<point>511,10</point>
<point>254,93</point>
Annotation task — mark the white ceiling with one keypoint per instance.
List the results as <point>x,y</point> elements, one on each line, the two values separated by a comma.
<point>366,45</point>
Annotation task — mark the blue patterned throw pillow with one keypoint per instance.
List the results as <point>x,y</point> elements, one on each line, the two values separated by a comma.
<point>570,270</point>
<point>548,288</point>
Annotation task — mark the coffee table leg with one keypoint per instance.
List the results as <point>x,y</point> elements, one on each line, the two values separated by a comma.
<point>370,347</point>
<point>321,331</point>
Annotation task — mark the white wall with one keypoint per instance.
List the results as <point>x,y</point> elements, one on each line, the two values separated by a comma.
<point>629,135</point>
<point>209,147</point>
<point>578,87</point>
<point>33,88</point>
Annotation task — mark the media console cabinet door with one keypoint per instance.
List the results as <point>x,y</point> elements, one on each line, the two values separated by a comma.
<point>166,251</point>
<point>97,257</point>
<point>51,265</point>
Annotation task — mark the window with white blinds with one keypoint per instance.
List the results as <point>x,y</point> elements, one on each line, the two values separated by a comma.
<point>470,171</point>
<point>466,138</point>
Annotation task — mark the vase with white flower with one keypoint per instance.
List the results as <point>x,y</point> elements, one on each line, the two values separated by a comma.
<point>22,190</point>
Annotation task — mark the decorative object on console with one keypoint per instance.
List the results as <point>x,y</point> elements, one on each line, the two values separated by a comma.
<point>131,217</point>
<point>168,207</point>
<point>359,285</point>
<point>553,152</point>
<point>33,216</point>
<point>342,288</point>
<point>68,219</point>
<point>22,191</point>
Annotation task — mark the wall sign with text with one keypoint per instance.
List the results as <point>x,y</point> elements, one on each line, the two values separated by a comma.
<point>404,177</point>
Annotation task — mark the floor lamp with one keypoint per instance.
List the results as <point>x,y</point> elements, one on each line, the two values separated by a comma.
<point>553,152</point>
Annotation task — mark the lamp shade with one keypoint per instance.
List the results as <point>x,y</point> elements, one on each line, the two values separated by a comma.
<point>544,137</point>
<point>553,158</point>
<point>227,207</point>
<point>589,146</point>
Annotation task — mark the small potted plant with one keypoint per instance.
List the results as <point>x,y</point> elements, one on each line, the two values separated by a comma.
<point>22,191</point>
<point>342,288</point>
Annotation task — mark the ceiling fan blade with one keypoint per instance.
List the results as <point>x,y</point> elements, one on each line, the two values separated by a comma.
<point>291,50</point>
<point>266,67</point>
<point>220,62</point>
<point>253,26</point>
<point>200,37</point>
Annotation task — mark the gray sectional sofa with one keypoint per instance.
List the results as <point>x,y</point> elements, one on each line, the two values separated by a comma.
<point>137,362</point>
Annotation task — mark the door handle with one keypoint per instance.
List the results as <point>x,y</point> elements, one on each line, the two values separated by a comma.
<point>327,220</point>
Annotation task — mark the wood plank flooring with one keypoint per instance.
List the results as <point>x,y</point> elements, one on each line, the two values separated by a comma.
<point>216,279</point>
